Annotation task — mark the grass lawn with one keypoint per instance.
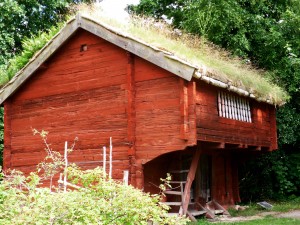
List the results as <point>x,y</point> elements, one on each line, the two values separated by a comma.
<point>268,220</point>
<point>254,209</point>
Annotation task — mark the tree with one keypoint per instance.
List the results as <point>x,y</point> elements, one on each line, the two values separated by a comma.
<point>265,33</point>
<point>21,19</point>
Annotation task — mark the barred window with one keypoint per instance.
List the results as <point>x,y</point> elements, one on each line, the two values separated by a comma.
<point>234,107</point>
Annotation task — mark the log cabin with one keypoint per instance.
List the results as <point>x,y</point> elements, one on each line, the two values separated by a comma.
<point>163,114</point>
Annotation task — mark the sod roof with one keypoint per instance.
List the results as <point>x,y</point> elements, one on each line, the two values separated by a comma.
<point>183,55</point>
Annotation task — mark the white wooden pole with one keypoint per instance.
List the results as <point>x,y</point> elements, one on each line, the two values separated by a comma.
<point>66,166</point>
<point>110,156</point>
<point>104,160</point>
<point>220,104</point>
<point>125,177</point>
<point>249,112</point>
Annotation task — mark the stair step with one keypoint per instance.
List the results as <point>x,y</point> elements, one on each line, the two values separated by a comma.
<point>172,203</point>
<point>179,171</point>
<point>173,192</point>
<point>177,182</point>
<point>218,211</point>
<point>197,213</point>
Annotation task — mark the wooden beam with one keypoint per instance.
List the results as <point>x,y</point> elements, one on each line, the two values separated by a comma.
<point>192,117</point>
<point>236,146</point>
<point>266,149</point>
<point>189,181</point>
<point>212,145</point>
<point>139,175</point>
<point>255,148</point>
<point>131,115</point>
<point>184,130</point>
<point>7,135</point>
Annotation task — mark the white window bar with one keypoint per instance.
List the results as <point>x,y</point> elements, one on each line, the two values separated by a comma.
<point>234,107</point>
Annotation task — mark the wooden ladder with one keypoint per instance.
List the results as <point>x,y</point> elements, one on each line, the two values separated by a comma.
<point>191,209</point>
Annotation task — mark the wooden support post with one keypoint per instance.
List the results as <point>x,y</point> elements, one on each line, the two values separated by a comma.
<point>192,135</point>
<point>132,171</point>
<point>235,180</point>
<point>7,135</point>
<point>189,181</point>
<point>184,110</point>
<point>131,116</point>
<point>139,175</point>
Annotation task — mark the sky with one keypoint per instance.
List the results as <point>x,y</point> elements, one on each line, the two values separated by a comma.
<point>115,8</point>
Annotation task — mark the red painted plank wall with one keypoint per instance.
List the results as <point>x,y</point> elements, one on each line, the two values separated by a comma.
<point>96,94</point>
<point>212,127</point>
<point>158,113</point>
<point>80,94</point>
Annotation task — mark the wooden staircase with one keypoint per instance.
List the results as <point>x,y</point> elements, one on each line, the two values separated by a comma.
<point>176,194</point>
<point>179,196</point>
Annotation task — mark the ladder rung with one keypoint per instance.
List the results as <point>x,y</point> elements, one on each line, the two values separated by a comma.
<point>172,203</point>
<point>179,171</point>
<point>177,182</point>
<point>173,192</point>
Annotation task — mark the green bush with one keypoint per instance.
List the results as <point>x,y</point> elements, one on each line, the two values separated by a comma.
<point>274,176</point>
<point>98,201</point>
<point>92,199</point>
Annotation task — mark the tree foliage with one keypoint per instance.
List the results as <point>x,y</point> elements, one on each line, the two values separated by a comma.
<point>265,33</point>
<point>20,20</point>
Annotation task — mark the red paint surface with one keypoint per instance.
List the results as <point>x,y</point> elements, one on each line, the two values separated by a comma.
<point>105,92</point>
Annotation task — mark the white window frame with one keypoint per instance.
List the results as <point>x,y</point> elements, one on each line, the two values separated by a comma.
<point>234,107</point>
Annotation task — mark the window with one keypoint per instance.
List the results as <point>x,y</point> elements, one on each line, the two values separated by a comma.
<point>234,107</point>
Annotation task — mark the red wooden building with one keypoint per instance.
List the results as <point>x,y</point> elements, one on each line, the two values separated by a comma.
<point>163,114</point>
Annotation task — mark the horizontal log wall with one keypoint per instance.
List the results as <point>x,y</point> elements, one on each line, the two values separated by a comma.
<point>213,128</point>
<point>160,113</point>
<point>77,94</point>
<point>93,90</point>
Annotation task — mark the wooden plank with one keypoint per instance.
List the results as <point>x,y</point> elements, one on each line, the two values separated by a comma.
<point>184,130</point>
<point>190,179</point>
<point>192,114</point>
<point>131,116</point>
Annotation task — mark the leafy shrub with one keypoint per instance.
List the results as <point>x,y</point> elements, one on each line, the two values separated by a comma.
<point>99,201</point>
<point>92,199</point>
<point>275,176</point>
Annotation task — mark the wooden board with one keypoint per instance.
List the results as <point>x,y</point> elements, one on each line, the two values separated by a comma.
<point>213,128</point>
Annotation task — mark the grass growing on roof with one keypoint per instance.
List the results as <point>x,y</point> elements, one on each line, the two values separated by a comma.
<point>198,52</point>
<point>30,47</point>
<point>194,50</point>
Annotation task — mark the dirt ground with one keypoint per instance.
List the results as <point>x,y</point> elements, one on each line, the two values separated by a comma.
<point>292,214</point>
